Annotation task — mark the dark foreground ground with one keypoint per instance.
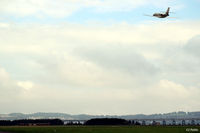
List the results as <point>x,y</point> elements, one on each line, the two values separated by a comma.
<point>101,129</point>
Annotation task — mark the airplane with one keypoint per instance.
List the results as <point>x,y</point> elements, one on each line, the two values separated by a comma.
<point>161,15</point>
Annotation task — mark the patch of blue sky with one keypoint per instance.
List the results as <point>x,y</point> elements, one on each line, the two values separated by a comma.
<point>191,9</point>
<point>88,15</point>
<point>132,17</point>
<point>83,16</point>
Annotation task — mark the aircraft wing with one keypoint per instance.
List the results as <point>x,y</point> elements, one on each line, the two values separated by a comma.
<point>148,15</point>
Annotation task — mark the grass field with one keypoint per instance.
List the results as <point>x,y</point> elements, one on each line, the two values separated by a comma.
<point>99,129</point>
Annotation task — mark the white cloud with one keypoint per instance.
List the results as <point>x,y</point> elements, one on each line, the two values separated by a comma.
<point>35,37</point>
<point>193,46</point>
<point>102,48</point>
<point>74,67</point>
<point>27,85</point>
<point>4,25</point>
<point>8,86</point>
<point>39,8</point>
<point>4,76</point>
<point>170,90</point>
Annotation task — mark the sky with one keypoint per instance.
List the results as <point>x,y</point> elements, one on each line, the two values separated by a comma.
<point>99,57</point>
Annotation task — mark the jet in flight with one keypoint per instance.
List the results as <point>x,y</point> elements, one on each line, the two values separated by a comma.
<point>161,15</point>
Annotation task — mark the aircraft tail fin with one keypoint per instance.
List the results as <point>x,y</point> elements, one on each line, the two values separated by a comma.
<point>167,12</point>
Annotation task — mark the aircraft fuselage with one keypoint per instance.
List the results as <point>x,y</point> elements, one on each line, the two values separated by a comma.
<point>160,15</point>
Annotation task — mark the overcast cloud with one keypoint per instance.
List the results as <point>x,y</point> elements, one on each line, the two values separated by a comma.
<point>98,67</point>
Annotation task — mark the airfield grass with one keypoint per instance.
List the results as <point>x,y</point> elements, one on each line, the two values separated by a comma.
<point>97,129</point>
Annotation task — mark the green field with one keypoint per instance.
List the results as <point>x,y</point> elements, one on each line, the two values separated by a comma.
<point>99,129</point>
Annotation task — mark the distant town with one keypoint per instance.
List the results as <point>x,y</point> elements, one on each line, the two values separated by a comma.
<point>174,118</point>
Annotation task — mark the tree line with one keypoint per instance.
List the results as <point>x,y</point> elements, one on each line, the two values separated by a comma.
<point>110,121</point>
<point>30,122</point>
<point>43,122</point>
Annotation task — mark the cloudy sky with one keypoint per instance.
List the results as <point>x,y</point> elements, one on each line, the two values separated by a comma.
<point>99,56</point>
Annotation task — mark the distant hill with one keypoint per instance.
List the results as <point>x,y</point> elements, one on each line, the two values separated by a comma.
<point>63,116</point>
